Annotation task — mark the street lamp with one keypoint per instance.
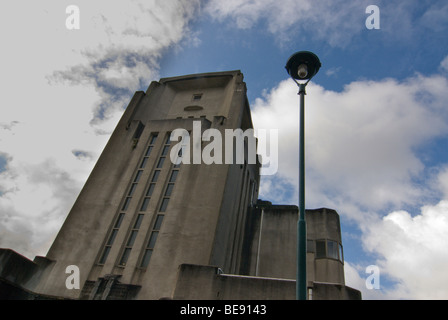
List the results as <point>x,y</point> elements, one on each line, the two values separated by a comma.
<point>302,66</point>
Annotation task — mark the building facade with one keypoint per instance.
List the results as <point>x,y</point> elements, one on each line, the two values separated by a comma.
<point>156,221</point>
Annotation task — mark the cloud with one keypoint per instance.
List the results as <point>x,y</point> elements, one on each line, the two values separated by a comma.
<point>413,251</point>
<point>360,143</point>
<point>434,17</point>
<point>444,64</point>
<point>124,56</point>
<point>66,91</point>
<point>335,21</point>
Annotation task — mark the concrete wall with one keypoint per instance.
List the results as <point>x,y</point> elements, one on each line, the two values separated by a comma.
<point>18,275</point>
<point>273,243</point>
<point>207,283</point>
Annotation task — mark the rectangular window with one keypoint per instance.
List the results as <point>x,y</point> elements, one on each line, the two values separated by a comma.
<point>197,96</point>
<point>174,174</point>
<point>138,176</point>
<point>132,189</point>
<point>165,150</point>
<point>146,258</point>
<point>125,256</point>
<point>152,241</point>
<point>158,222</point>
<point>105,254</point>
<point>143,164</point>
<point>332,249</point>
<point>139,130</point>
<point>164,153</point>
<point>169,189</point>
<point>131,240</point>
<point>341,254</point>
<point>138,222</point>
<point>153,139</point>
<point>168,138</point>
<point>160,163</point>
<point>155,177</point>
<point>150,189</point>
<point>148,151</point>
<point>320,249</point>
<point>164,204</point>
<point>126,204</point>
<point>148,195</point>
<point>145,204</point>
<point>111,239</point>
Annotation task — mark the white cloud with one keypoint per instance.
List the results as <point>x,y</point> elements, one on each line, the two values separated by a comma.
<point>335,21</point>
<point>65,92</point>
<point>413,251</point>
<point>442,181</point>
<point>361,142</point>
<point>444,64</point>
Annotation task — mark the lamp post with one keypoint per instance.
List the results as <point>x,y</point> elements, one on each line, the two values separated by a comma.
<point>302,66</point>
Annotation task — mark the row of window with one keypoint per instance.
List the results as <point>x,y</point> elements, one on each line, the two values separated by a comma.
<point>144,205</point>
<point>325,249</point>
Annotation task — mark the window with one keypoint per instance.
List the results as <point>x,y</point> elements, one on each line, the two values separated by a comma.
<point>131,240</point>
<point>197,97</point>
<point>169,190</point>
<point>152,141</point>
<point>164,153</point>
<point>164,204</point>
<point>152,241</point>
<point>138,133</point>
<point>173,176</point>
<point>327,249</point>
<point>148,195</point>
<point>160,162</point>
<point>111,239</point>
<point>155,177</point>
<point>128,198</point>
<point>320,249</point>
<point>332,249</point>
<point>139,130</point>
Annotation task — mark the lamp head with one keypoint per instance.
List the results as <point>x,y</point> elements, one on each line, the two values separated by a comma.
<point>303,65</point>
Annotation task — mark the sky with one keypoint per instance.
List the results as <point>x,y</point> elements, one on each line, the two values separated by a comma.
<point>376,113</point>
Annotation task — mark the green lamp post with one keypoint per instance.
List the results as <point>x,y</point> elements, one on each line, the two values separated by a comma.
<point>302,66</point>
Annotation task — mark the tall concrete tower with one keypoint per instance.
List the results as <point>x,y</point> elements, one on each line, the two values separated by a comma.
<point>139,215</point>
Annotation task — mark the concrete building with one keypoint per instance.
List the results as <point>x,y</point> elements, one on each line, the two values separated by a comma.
<point>144,227</point>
